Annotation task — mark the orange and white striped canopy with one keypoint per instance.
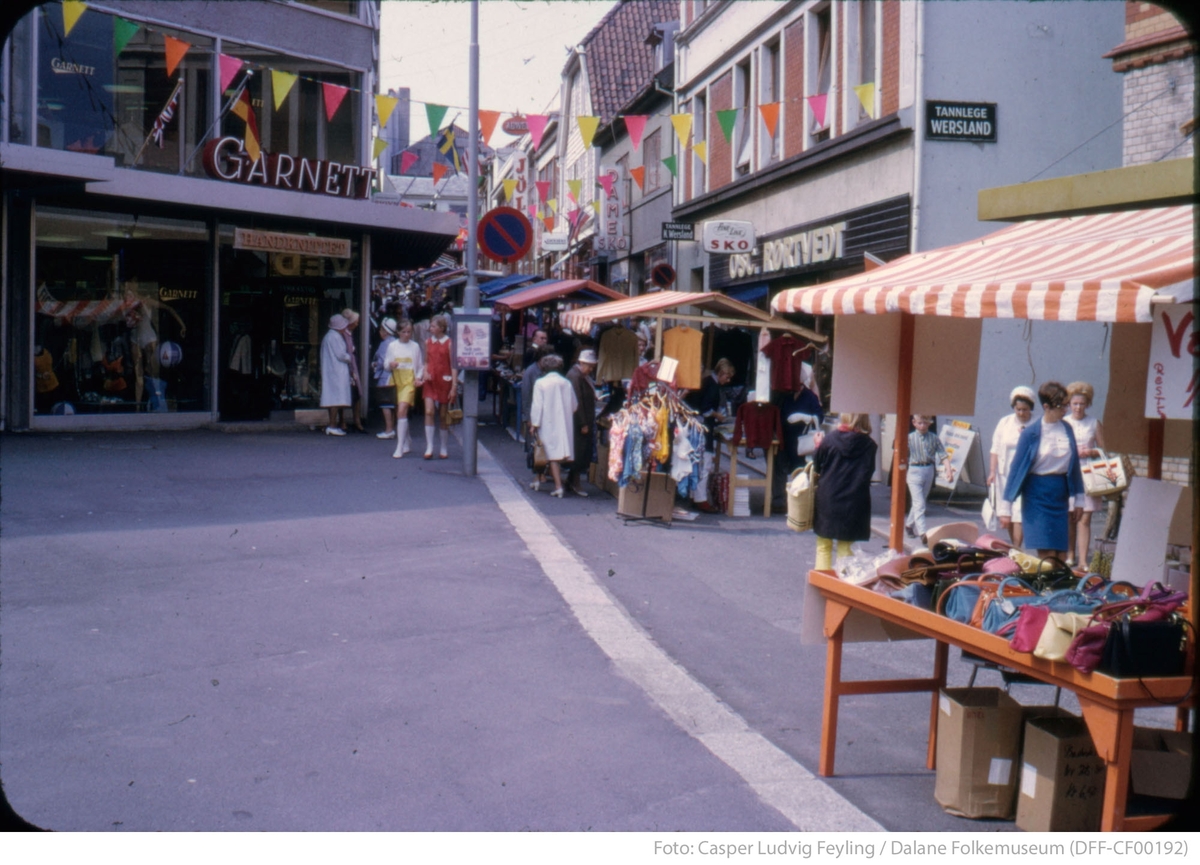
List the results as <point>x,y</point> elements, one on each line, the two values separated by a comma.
<point>1101,267</point>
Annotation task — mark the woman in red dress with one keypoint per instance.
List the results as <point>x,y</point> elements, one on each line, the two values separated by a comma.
<point>439,384</point>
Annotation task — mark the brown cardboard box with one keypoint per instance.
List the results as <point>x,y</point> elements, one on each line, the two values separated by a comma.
<point>978,750</point>
<point>1062,778</point>
<point>1161,763</point>
<point>651,496</point>
<point>598,471</point>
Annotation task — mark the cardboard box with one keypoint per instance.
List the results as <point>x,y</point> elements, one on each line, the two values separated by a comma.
<point>978,752</point>
<point>1161,764</point>
<point>651,496</point>
<point>598,471</point>
<point>1062,777</point>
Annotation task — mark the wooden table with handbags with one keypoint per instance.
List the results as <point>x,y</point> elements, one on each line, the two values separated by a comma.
<point>1107,703</point>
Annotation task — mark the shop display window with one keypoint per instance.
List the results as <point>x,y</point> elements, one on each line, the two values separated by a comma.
<point>274,312</point>
<point>93,99</point>
<point>121,313</point>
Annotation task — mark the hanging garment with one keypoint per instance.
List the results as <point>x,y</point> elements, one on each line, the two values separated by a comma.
<point>618,354</point>
<point>759,423</point>
<point>787,354</point>
<point>684,344</point>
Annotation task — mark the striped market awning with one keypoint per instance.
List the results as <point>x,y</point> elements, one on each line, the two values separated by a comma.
<point>577,290</point>
<point>1100,267</point>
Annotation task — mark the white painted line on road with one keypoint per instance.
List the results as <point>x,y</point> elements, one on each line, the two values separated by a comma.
<point>781,782</point>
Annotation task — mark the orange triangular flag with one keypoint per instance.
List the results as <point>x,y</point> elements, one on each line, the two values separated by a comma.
<point>439,171</point>
<point>176,48</point>
<point>639,176</point>
<point>487,123</point>
<point>71,10</point>
<point>770,116</point>
<point>549,223</point>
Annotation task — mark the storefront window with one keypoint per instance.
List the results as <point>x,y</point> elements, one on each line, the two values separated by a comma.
<point>121,313</point>
<point>20,117</point>
<point>274,312</point>
<point>93,99</point>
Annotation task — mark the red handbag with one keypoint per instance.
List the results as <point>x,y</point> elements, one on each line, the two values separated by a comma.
<point>1031,621</point>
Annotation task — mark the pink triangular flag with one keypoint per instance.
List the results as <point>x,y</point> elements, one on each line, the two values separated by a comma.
<point>543,188</point>
<point>333,98</point>
<point>573,217</point>
<point>635,124</point>
<point>606,181</point>
<point>817,104</point>
<point>537,127</point>
<point>229,68</point>
<point>407,158</point>
<point>532,211</point>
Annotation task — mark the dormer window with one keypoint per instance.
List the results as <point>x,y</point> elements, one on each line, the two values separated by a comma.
<point>662,38</point>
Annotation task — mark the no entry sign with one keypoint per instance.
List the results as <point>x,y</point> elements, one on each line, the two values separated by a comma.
<point>505,234</point>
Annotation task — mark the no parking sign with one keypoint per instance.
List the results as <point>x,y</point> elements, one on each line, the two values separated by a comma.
<point>505,234</point>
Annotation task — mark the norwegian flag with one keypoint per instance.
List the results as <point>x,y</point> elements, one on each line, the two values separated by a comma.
<point>164,117</point>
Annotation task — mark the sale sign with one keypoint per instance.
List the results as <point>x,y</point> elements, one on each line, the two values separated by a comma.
<point>1172,378</point>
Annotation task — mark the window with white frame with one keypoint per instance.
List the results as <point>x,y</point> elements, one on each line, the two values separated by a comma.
<point>770,68</point>
<point>819,77</point>
<point>699,136</point>
<point>652,160</point>
<point>743,100</point>
<point>861,49</point>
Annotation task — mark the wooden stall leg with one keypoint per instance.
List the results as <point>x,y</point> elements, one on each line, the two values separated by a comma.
<point>732,478</point>
<point>1112,733</point>
<point>1181,719</point>
<point>941,656</point>
<point>770,479</point>
<point>835,617</point>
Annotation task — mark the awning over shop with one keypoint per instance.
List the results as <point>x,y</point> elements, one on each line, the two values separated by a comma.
<point>569,289</point>
<point>663,303</point>
<point>505,283</point>
<point>1100,267</point>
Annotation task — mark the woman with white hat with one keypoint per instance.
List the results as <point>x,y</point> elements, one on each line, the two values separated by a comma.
<point>1004,447</point>
<point>383,392</point>
<point>335,373</point>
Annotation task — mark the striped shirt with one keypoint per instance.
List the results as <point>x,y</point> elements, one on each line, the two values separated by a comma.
<point>924,449</point>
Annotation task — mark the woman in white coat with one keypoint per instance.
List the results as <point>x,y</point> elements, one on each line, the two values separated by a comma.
<point>551,418</point>
<point>335,373</point>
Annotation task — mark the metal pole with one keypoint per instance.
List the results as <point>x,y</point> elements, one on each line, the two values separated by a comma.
<point>471,292</point>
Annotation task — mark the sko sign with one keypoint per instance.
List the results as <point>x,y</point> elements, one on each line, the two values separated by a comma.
<point>725,237</point>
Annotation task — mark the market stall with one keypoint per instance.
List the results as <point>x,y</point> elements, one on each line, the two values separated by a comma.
<point>896,326</point>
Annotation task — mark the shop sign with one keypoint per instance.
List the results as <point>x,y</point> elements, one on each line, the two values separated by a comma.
<point>515,125</point>
<point>960,121</point>
<point>301,244</point>
<point>725,237</point>
<point>1172,377</point>
<point>225,159</point>
<point>392,198</point>
<point>555,243</point>
<point>678,231</point>
<point>64,67</point>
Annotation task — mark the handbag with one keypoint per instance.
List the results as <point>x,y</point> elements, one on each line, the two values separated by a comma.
<point>1003,606</point>
<point>454,414</point>
<point>1140,649</point>
<point>1155,603</point>
<point>1059,631</point>
<point>1105,475</point>
<point>806,444</point>
<point>991,521</point>
<point>958,600</point>
<point>539,455</point>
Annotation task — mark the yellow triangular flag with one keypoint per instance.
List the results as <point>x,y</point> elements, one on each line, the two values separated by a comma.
<point>510,186</point>
<point>281,85</point>
<point>553,205</point>
<point>683,127</point>
<point>380,146</point>
<point>701,150</point>
<point>866,95</point>
<point>71,12</point>
<point>576,186</point>
<point>587,128</point>
<point>384,106</point>
<point>596,205</point>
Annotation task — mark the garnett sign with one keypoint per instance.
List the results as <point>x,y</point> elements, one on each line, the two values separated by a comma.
<point>225,159</point>
<point>960,121</point>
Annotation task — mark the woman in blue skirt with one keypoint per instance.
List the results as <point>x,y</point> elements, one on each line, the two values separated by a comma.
<point>1045,475</point>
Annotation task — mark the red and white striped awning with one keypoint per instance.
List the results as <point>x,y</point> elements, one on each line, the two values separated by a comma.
<point>1101,267</point>
<point>581,320</point>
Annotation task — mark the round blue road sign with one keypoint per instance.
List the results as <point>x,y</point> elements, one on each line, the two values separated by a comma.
<point>504,234</point>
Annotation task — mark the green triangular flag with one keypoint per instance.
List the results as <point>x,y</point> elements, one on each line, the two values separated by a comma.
<point>727,118</point>
<point>123,31</point>
<point>435,113</point>
<point>670,163</point>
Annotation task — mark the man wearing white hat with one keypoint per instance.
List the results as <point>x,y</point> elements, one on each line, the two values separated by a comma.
<point>580,377</point>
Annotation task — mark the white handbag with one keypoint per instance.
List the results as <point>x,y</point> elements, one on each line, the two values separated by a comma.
<point>1105,475</point>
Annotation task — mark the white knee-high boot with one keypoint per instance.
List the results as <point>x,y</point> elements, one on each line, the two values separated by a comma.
<point>401,438</point>
<point>445,440</point>
<point>429,428</point>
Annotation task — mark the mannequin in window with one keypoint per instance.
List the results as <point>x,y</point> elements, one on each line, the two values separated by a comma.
<point>141,315</point>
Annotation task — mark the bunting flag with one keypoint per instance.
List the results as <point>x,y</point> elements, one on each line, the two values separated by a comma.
<point>543,188</point>
<point>607,181</point>
<point>123,31</point>
<point>770,116</point>
<point>378,148</point>
<point>573,218</point>
<point>229,67</point>
<point>639,176</point>
<point>635,125</point>
<point>439,171</point>
<point>670,163</point>
<point>727,119</point>
<point>537,128</point>
<point>334,94</point>
<point>866,95</point>
<point>576,187</point>
<point>384,106</point>
<point>243,109</point>
<point>166,115</point>
<point>683,127</point>
<point>434,113</point>
<point>510,187</point>
<point>176,48</point>
<point>487,124</point>
<point>448,148</point>
<point>552,203</point>
<point>587,128</point>
<point>817,104</point>
<point>596,205</point>
<point>549,223</point>
<point>700,148</point>
<point>407,158</point>
<point>533,211</point>
<point>281,86</point>
<point>71,10</point>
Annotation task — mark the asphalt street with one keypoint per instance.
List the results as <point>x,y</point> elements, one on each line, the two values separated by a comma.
<point>283,631</point>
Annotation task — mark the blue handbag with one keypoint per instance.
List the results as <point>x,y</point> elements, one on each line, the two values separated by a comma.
<point>1004,608</point>
<point>958,600</point>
